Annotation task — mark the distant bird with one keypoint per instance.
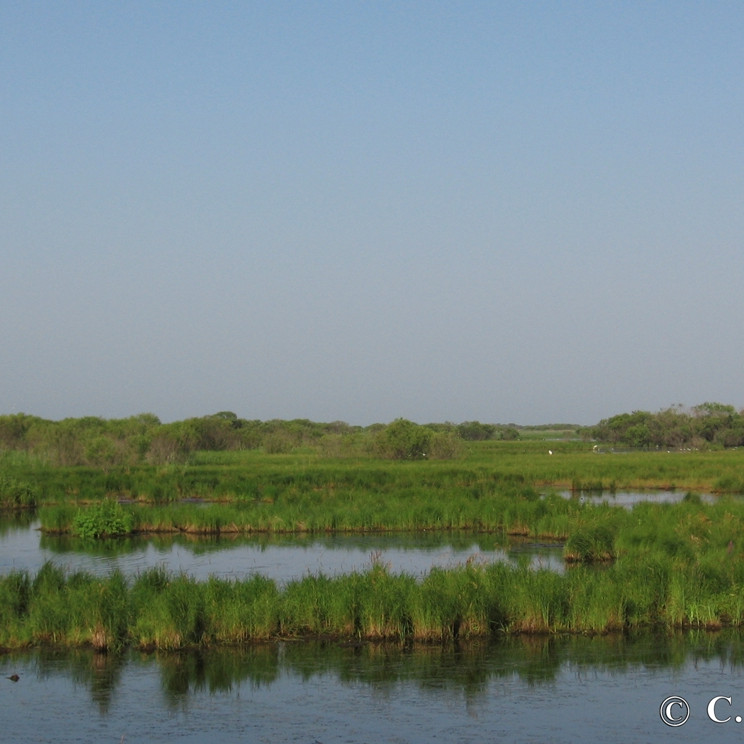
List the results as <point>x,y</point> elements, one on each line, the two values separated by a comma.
<point>13,678</point>
<point>550,452</point>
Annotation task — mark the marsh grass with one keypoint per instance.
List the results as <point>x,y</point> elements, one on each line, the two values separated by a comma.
<point>158,610</point>
<point>17,494</point>
<point>58,609</point>
<point>590,543</point>
<point>663,565</point>
<point>254,476</point>
<point>408,509</point>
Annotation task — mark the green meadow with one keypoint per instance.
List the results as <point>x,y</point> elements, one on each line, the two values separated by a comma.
<point>501,486</point>
<point>243,475</point>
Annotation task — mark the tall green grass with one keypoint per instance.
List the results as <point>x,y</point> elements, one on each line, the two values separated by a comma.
<point>15,494</point>
<point>506,510</point>
<point>157,610</point>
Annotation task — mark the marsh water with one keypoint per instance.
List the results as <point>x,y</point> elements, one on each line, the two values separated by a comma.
<point>282,558</point>
<point>286,557</point>
<point>607,689</point>
<point>528,689</point>
<point>628,499</point>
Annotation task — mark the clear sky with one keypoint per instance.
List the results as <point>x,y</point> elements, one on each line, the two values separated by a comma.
<point>523,212</point>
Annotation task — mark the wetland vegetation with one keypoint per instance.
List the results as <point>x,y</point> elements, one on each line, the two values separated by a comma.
<point>662,566</point>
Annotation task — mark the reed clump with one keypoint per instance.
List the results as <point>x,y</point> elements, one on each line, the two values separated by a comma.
<point>591,543</point>
<point>17,494</point>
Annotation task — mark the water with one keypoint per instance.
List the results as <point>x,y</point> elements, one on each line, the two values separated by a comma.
<point>628,499</point>
<point>282,558</point>
<point>557,690</point>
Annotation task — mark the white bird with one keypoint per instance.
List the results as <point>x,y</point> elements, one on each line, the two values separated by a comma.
<point>550,452</point>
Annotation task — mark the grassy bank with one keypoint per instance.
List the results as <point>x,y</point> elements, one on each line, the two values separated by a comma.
<point>162,611</point>
<point>509,510</point>
<point>494,488</point>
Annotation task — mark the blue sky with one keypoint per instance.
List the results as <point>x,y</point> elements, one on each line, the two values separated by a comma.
<point>503,211</point>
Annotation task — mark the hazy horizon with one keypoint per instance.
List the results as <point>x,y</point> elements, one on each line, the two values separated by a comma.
<point>345,211</point>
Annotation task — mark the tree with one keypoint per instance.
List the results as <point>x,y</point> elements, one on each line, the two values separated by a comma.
<point>475,431</point>
<point>404,440</point>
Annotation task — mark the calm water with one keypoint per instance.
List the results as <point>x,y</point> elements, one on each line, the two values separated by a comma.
<point>283,558</point>
<point>628,499</point>
<point>525,690</point>
<point>23,547</point>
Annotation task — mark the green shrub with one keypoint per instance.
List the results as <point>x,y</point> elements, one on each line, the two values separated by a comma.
<point>106,519</point>
<point>404,440</point>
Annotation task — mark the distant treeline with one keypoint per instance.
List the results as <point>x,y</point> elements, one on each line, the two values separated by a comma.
<point>99,442</point>
<point>96,441</point>
<point>701,427</point>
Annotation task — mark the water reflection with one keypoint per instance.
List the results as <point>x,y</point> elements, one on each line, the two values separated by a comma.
<point>287,557</point>
<point>279,557</point>
<point>528,689</point>
<point>629,499</point>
